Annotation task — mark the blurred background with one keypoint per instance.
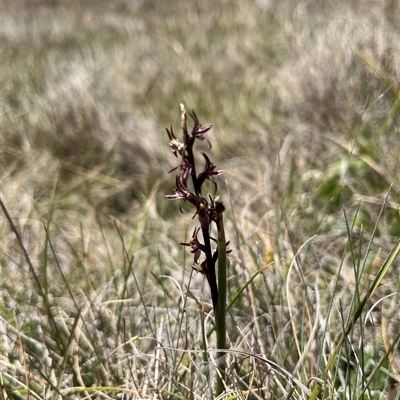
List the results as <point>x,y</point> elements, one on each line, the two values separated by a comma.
<point>304,98</point>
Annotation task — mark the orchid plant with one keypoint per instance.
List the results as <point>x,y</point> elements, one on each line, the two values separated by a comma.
<point>209,211</point>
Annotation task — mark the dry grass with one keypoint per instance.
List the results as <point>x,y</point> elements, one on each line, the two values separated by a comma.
<point>305,102</point>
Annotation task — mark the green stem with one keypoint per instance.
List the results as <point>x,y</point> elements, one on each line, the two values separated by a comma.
<point>221,307</point>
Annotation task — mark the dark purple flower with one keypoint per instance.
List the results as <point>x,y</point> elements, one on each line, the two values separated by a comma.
<point>176,145</point>
<point>186,172</point>
<point>208,171</point>
<point>199,130</point>
<point>195,245</point>
<point>181,193</point>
